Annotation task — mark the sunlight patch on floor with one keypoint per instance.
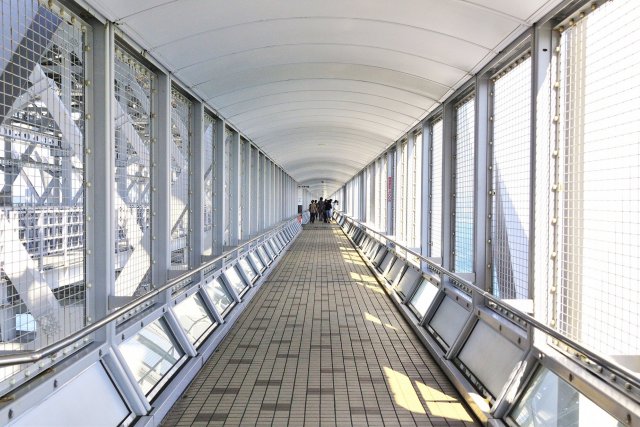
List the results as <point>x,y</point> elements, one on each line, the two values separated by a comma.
<point>362,277</point>
<point>440,404</point>
<point>404,395</point>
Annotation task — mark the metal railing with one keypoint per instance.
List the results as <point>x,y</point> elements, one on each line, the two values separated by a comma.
<point>597,361</point>
<point>39,354</point>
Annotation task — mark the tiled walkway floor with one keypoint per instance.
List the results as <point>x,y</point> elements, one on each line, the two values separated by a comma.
<point>320,344</point>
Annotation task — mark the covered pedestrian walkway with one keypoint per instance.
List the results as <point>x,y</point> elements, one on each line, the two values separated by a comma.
<point>321,344</point>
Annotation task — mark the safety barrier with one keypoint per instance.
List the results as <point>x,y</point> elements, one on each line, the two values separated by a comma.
<point>510,368</point>
<point>131,366</point>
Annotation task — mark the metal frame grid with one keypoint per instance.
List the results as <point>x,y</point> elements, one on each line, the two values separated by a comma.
<point>435,190</point>
<point>509,198</point>
<point>463,185</point>
<point>181,112</point>
<point>598,243</point>
<point>42,164</point>
<point>226,196</point>
<point>209,145</point>
<point>132,197</point>
<point>414,193</point>
<point>401,192</point>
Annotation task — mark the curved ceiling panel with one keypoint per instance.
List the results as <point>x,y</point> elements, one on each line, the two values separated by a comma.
<point>323,87</point>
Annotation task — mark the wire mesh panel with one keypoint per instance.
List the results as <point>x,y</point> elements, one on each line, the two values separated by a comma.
<point>435,192</point>
<point>42,172</point>
<point>598,240</point>
<point>180,155</point>
<point>414,193</point>
<point>401,193</point>
<point>463,184</point>
<point>209,145</point>
<point>511,159</point>
<point>228,140</point>
<point>132,195</point>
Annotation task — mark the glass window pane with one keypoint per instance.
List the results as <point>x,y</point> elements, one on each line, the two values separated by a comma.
<point>256,261</point>
<point>423,297</point>
<point>550,401</point>
<point>219,295</point>
<point>193,317</point>
<point>263,254</point>
<point>234,279</point>
<point>248,270</point>
<point>150,354</point>
<point>464,183</point>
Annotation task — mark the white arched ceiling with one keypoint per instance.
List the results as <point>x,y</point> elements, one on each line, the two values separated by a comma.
<point>323,87</point>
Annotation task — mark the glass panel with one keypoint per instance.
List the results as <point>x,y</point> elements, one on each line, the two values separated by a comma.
<point>42,165</point>
<point>209,179</point>
<point>234,279</point>
<point>550,401</point>
<point>150,354</point>
<point>435,196</point>
<point>179,204</point>
<point>219,295</point>
<point>598,232</point>
<point>270,251</point>
<point>423,297</point>
<point>248,270</point>
<point>263,254</point>
<point>449,320</point>
<point>132,195</point>
<point>510,205</point>
<point>464,180</point>
<point>193,317</point>
<point>257,261</point>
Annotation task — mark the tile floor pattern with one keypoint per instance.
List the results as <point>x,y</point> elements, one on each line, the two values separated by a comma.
<point>321,344</point>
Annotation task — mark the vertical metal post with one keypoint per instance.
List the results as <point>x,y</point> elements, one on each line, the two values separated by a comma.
<point>161,185</point>
<point>482,198</point>
<point>542,100</point>
<point>448,221</point>
<point>425,193</point>
<point>363,197</point>
<point>234,190</point>
<point>219,202</point>
<point>196,185</point>
<point>100,162</point>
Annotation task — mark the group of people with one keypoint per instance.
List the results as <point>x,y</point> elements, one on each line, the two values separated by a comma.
<point>321,209</point>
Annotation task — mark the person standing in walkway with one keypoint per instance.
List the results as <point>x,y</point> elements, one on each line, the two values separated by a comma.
<point>313,211</point>
<point>327,210</point>
<point>320,209</point>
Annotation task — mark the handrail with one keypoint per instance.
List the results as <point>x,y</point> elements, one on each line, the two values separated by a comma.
<point>33,356</point>
<point>604,361</point>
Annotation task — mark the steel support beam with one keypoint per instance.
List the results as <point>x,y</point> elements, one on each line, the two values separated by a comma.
<point>219,204</point>
<point>196,185</point>
<point>448,202</point>
<point>482,184</point>
<point>234,190</point>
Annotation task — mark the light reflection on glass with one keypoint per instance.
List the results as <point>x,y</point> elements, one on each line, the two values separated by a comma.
<point>193,317</point>
<point>150,354</point>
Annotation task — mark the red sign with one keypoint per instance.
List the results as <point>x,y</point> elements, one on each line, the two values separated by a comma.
<point>389,189</point>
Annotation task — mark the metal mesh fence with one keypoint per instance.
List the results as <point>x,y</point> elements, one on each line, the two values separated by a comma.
<point>435,193</point>
<point>414,193</point>
<point>179,204</point>
<point>510,196</point>
<point>132,196</point>
<point>598,244</point>
<point>401,193</point>
<point>463,184</point>
<point>209,179</point>
<point>42,170</point>
<point>228,140</point>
